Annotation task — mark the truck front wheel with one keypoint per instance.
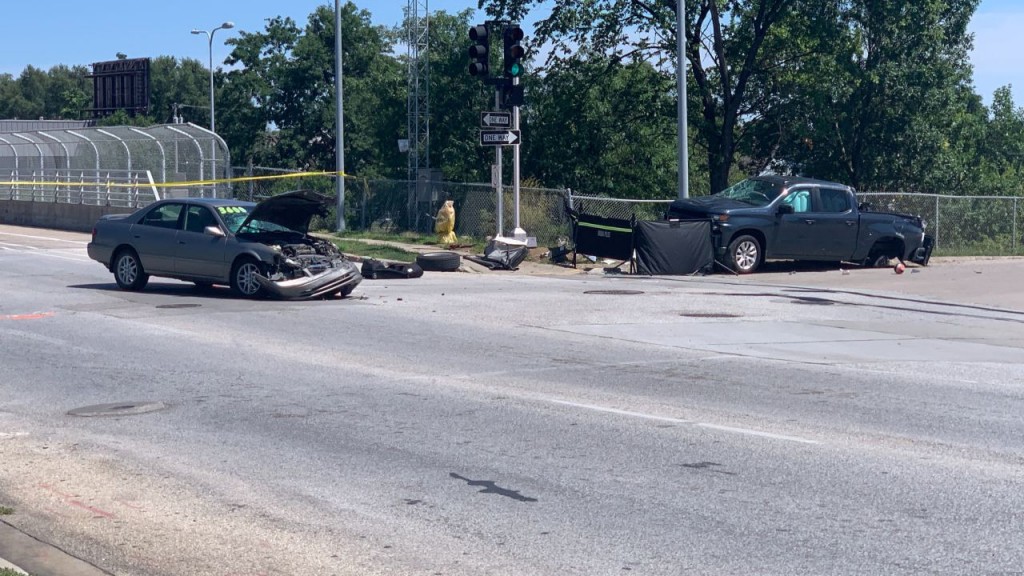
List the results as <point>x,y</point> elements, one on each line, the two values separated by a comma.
<point>745,254</point>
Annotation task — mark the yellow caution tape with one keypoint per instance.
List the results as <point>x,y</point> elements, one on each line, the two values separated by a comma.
<point>174,184</point>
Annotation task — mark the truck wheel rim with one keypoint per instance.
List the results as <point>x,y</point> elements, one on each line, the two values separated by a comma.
<point>746,255</point>
<point>127,269</point>
<point>246,279</point>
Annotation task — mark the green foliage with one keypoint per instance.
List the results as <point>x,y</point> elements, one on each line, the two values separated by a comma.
<point>279,104</point>
<point>876,94</point>
<point>603,127</point>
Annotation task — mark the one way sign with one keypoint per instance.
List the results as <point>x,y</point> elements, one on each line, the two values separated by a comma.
<point>499,137</point>
<point>495,119</point>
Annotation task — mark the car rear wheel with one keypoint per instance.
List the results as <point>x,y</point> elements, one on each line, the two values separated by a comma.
<point>243,278</point>
<point>745,254</point>
<point>128,272</point>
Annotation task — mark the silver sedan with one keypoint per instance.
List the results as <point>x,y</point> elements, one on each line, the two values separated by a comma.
<point>260,249</point>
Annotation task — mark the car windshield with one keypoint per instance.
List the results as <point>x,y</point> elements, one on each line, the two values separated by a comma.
<point>233,216</point>
<point>753,192</point>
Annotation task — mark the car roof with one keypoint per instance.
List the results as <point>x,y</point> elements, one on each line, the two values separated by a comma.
<point>788,181</point>
<point>211,201</point>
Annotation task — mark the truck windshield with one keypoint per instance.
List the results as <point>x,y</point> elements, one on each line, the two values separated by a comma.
<point>753,192</point>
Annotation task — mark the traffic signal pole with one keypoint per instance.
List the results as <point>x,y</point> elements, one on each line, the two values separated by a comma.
<point>499,180</point>
<point>508,95</point>
<point>518,233</point>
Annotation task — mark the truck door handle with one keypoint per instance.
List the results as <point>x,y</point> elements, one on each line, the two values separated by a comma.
<point>809,221</point>
<point>851,222</point>
<point>181,241</point>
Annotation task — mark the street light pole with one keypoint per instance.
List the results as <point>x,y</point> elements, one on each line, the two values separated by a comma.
<point>213,122</point>
<point>684,152</point>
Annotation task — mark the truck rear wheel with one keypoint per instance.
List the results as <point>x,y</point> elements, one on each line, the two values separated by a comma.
<point>745,254</point>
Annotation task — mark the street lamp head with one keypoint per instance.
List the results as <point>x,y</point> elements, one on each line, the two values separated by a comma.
<point>227,25</point>
<point>195,31</point>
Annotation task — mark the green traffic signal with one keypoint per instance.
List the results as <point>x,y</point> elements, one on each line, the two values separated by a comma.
<point>512,35</point>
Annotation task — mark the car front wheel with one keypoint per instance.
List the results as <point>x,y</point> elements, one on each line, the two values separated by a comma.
<point>745,254</point>
<point>243,278</point>
<point>128,272</point>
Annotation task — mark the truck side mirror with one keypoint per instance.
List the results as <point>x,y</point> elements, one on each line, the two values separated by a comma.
<point>864,207</point>
<point>786,209</point>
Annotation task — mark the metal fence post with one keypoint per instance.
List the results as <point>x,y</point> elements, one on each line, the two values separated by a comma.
<point>937,198</point>
<point>1013,243</point>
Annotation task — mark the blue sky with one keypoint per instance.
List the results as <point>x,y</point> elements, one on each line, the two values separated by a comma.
<point>76,32</point>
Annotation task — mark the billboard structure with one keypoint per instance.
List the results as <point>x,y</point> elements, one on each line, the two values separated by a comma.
<point>120,85</point>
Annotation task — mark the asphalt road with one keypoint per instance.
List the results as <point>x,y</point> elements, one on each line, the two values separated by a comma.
<point>508,423</point>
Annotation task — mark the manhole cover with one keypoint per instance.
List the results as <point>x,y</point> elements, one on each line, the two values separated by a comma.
<point>118,409</point>
<point>709,315</point>
<point>615,292</point>
<point>179,305</point>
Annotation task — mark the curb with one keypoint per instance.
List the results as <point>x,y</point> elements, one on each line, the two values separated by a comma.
<point>21,552</point>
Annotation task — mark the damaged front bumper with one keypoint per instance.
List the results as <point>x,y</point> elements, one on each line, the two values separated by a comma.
<point>924,252</point>
<point>341,279</point>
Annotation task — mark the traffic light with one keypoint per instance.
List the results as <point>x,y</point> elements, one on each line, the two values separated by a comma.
<point>480,51</point>
<point>512,35</point>
<point>511,96</point>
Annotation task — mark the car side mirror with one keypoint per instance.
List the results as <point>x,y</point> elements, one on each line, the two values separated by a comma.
<point>214,231</point>
<point>786,209</point>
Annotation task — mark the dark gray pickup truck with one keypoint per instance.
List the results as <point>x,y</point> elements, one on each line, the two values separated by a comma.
<point>788,218</point>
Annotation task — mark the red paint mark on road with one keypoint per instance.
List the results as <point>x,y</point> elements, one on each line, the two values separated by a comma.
<point>35,316</point>
<point>74,501</point>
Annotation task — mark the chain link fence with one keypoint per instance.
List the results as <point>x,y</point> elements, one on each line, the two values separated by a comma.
<point>961,225</point>
<point>398,206</point>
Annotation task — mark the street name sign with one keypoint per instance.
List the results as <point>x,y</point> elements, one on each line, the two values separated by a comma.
<point>499,137</point>
<point>495,119</point>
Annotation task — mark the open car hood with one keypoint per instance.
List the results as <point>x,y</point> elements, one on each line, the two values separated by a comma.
<point>293,210</point>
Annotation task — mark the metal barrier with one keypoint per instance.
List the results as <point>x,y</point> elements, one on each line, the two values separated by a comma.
<point>121,188</point>
<point>171,152</point>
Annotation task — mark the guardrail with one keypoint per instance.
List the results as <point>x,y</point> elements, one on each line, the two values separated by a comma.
<point>119,188</point>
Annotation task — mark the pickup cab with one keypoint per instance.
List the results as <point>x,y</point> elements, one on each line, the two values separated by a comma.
<point>790,218</point>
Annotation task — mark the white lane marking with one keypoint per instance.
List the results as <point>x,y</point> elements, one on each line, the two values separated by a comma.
<point>751,432</point>
<point>9,435</point>
<point>20,246</point>
<point>43,238</point>
<point>36,252</point>
<point>733,429</point>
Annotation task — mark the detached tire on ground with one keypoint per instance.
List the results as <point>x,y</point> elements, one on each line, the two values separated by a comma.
<point>439,261</point>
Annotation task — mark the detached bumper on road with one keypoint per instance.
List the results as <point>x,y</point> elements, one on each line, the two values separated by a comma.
<point>342,279</point>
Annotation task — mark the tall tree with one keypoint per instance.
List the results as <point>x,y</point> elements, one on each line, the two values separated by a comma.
<point>724,46</point>
<point>602,126</point>
<point>867,92</point>
<point>286,84</point>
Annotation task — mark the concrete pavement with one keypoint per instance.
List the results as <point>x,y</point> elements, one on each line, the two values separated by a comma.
<point>23,553</point>
<point>980,281</point>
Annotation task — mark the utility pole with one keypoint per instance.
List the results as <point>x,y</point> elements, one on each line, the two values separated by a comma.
<point>339,129</point>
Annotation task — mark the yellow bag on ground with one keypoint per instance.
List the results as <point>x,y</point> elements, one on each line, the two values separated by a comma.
<point>444,225</point>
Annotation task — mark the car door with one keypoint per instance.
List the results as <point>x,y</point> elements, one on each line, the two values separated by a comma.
<point>154,237</point>
<point>793,230</point>
<point>836,224</point>
<point>198,254</point>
